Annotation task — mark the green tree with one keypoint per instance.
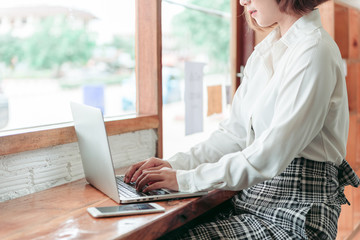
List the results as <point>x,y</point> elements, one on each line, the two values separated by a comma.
<point>205,31</point>
<point>125,44</point>
<point>56,41</point>
<point>10,50</point>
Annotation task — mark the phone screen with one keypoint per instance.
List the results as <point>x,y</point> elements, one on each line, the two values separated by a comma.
<point>122,208</point>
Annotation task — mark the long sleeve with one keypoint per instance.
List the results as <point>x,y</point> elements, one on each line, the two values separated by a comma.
<point>230,137</point>
<point>296,106</point>
<point>300,111</point>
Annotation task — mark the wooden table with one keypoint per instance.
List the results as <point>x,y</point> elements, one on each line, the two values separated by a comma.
<point>60,213</point>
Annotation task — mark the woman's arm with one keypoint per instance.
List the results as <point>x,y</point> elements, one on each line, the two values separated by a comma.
<point>301,108</point>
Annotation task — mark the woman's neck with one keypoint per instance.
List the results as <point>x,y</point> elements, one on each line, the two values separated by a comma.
<point>287,21</point>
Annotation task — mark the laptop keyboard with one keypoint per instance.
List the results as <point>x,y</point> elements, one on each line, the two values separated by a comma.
<point>129,190</point>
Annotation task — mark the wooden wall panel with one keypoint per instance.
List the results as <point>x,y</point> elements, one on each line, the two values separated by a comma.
<point>351,147</point>
<point>346,29</point>
<point>354,35</point>
<point>356,203</point>
<point>346,222</point>
<point>351,82</point>
<point>356,83</point>
<point>358,141</point>
<point>341,29</point>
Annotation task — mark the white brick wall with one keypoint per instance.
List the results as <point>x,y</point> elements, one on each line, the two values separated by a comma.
<point>33,171</point>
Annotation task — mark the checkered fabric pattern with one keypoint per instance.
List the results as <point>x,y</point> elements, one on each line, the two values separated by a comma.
<point>304,202</point>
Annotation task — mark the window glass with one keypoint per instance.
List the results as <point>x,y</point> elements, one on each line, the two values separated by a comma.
<point>54,52</point>
<point>194,31</point>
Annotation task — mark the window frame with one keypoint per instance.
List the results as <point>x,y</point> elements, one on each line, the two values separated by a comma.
<point>148,91</point>
<point>242,43</point>
<point>148,48</point>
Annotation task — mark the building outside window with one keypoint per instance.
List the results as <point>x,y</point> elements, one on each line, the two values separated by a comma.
<point>54,52</point>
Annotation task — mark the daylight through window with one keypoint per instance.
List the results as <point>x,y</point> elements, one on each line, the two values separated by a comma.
<point>62,51</point>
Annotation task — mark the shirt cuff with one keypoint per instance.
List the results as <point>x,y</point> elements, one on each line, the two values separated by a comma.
<point>178,161</point>
<point>185,180</point>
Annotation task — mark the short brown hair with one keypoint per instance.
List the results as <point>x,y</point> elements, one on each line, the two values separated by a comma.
<point>295,6</point>
<point>299,6</point>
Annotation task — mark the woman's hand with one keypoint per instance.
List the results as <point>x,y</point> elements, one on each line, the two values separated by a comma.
<point>155,179</point>
<point>137,169</point>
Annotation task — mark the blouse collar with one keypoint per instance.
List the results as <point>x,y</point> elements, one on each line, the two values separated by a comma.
<point>303,25</point>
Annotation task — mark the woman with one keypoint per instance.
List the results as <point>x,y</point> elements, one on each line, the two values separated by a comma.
<point>284,144</point>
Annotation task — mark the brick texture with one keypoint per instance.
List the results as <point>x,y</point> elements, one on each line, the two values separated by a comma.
<point>33,171</point>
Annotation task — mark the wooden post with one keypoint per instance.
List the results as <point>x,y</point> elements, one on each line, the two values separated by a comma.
<point>242,42</point>
<point>148,61</point>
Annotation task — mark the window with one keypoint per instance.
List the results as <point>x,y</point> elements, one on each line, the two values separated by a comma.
<point>65,51</point>
<point>195,31</point>
<point>148,88</point>
<point>148,79</point>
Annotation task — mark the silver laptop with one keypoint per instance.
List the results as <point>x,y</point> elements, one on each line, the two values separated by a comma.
<point>97,161</point>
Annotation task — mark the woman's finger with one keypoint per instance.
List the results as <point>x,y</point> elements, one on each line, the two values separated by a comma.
<point>130,172</point>
<point>154,186</point>
<point>148,164</point>
<point>146,178</point>
<point>154,168</point>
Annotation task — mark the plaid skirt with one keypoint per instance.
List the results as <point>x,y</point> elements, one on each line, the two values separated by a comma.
<point>303,202</point>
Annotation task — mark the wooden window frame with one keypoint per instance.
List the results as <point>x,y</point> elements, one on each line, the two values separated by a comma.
<point>149,94</point>
<point>148,84</point>
<point>241,43</point>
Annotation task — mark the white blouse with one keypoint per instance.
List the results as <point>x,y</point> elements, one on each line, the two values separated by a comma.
<point>292,103</point>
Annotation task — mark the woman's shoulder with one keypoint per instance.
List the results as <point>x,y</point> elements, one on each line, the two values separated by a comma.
<point>317,45</point>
